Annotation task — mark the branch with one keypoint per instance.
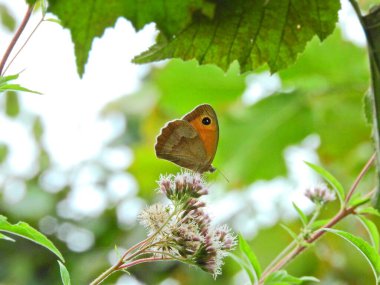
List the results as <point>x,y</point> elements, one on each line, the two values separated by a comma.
<point>345,211</point>
<point>16,37</point>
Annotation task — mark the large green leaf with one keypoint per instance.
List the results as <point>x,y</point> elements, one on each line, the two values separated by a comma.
<point>88,19</point>
<point>350,67</point>
<point>252,32</point>
<point>24,230</point>
<point>252,141</point>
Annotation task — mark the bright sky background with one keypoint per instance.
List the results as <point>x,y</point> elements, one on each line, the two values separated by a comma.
<point>74,132</point>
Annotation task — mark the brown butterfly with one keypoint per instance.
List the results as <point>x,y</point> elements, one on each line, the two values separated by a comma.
<point>190,142</point>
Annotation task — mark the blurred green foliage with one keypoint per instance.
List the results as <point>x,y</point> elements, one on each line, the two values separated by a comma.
<point>320,94</point>
<point>6,18</point>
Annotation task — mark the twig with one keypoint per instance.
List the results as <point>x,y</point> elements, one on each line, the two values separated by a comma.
<point>23,45</point>
<point>360,176</point>
<point>143,260</point>
<point>16,37</point>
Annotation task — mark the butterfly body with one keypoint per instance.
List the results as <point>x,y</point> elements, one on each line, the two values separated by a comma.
<point>190,142</point>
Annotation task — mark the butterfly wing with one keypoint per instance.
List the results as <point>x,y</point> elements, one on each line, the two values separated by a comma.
<point>209,133</point>
<point>180,143</point>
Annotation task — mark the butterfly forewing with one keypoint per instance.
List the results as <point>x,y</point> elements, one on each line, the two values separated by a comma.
<point>209,134</point>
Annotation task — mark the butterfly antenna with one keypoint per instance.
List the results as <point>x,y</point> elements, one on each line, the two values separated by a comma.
<point>225,177</point>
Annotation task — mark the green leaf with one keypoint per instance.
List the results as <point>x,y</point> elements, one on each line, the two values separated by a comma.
<point>372,231</point>
<point>5,86</point>
<point>358,201</point>
<point>244,265</point>
<point>24,230</point>
<point>93,17</point>
<point>249,254</point>
<point>12,107</point>
<point>260,154</point>
<point>331,179</point>
<point>290,232</point>
<point>364,248</point>
<point>16,87</point>
<point>369,210</point>
<point>251,32</point>
<point>65,276</point>
<point>319,223</point>
<point>6,237</point>
<point>57,21</point>
<point>283,278</point>
<point>302,215</point>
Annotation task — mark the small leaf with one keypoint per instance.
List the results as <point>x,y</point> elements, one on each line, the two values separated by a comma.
<point>302,215</point>
<point>358,201</point>
<point>369,210</point>
<point>4,79</point>
<point>283,278</point>
<point>243,264</point>
<point>57,21</point>
<point>6,237</point>
<point>247,251</point>
<point>3,152</point>
<point>290,232</point>
<point>372,231</point>
<point>65,276</point>
<point>12,106</point>
<point>331,179</point>
<point>319,223</point>
<point>37,129</point>
<point>364,248</point>
<point>16,87</point>
<point>24,230</point>
<point>5,86</point>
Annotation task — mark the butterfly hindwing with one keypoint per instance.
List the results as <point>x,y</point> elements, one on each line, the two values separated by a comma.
<point>180,143</point>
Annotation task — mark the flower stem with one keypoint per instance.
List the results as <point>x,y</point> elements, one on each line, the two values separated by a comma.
<point>106,273</point>
<point>15,38</point>
<point>143,260</point>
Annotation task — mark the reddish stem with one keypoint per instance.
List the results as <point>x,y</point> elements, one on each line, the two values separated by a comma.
<point>143,260</point>
<point>16,37</point>
<point>360,176</point>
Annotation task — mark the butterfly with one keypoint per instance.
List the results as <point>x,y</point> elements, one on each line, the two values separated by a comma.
<point>190,142</point>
